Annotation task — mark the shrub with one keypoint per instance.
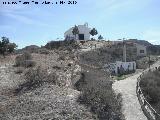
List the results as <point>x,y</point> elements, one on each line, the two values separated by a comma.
<point>24,60</point>
<point>39,75</point>
<point>43,51</point>
<point>150,84</point>
<point>54,44</point>
<point>19,70</point>
<point>35,78</point>
<point>102,56</point>
<point>26,56</point>
<point>95,84</point>
<point>29,63</point>
<point>143,63</point>
<point>66,44</point>
<point>97,93</point>
<point>79,84</point>
<point>61,57</point>
<point>56,67</point>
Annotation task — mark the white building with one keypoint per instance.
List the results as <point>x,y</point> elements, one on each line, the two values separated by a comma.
<point>83,33</point>
<point>118,66</point>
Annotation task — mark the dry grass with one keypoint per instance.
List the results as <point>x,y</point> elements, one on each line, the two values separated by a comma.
<point>43,93</point>
<point>24,60</point>
<point>9,59</point>
<point>143,63</point>
<point>47,102</point>
<point>43,51</point>
<point>102,56</point>
<point>62,45</point>
<point>97,94</point>
<point>19,70</point>
<point>35,78</point>
<point>46,60</point>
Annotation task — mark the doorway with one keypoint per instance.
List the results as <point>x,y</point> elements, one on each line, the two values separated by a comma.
<point>81,36</point>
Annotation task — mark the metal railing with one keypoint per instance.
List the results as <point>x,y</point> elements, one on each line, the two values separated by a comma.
<point>148,110</point>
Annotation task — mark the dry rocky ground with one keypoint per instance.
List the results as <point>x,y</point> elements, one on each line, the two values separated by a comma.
<point>58,100</point>
<point>46,102</point>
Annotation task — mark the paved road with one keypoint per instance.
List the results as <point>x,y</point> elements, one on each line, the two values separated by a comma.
<point>130,104</point>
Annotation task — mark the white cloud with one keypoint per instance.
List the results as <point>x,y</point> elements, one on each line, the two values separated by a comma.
<point>152,35</point>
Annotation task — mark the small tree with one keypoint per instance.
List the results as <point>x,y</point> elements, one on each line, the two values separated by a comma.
<point>3,45</point>
<point>93,32</point>
<point>11,47</point>
<point>6,46</point>
<point>100,37</point>
<point>75,31</point>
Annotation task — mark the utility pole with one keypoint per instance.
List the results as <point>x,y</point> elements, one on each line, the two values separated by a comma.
<point>124,50</point>
<point>149,59</point>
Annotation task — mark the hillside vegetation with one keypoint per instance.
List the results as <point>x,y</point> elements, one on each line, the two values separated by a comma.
<point>42,91</point>
<point>150,85</point>
<point>97,93</point>
<point>59,81</point>
<point>56,86</point>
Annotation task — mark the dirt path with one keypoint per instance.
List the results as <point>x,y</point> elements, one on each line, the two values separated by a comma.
<point>130,104</point>
<point>131,107</point>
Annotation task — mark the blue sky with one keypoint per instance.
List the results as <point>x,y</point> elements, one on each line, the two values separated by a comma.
<point>114,19</point>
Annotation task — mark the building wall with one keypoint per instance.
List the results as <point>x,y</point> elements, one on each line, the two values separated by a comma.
<point>113,67</point>
<point>83,29</point>
<point>132,66</point>
<point>133,49</point>
<point>69,34</point>
<point>141,48</point>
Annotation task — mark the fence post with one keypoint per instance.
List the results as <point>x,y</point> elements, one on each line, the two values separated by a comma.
<point>139,91</point>
<point>144,103</point>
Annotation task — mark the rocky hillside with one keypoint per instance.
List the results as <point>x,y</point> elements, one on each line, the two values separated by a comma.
<point>44,91</point>
<point>141,42</point>
<point>152,49</point>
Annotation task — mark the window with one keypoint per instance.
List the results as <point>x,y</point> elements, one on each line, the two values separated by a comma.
<point>141,51</point>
